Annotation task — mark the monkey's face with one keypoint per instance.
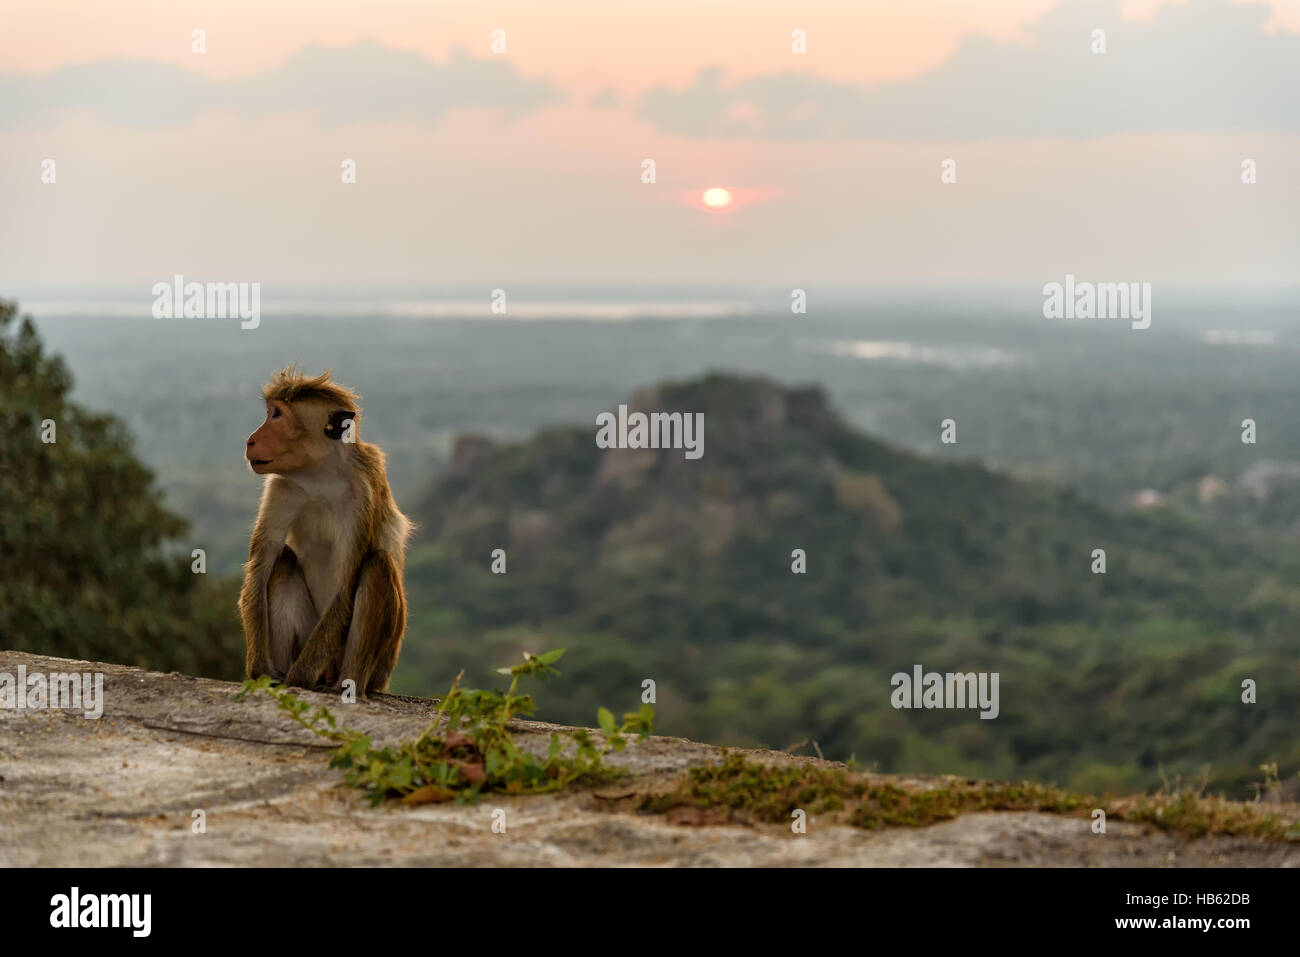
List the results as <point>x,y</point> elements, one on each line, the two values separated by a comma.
<point>289,439</point>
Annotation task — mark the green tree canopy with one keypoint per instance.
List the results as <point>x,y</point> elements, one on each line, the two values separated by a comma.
<point>90,562</point>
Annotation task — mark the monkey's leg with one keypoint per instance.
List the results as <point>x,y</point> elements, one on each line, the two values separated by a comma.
<point>378,622</point>
<point>292,613</point>
<point>316,665</point>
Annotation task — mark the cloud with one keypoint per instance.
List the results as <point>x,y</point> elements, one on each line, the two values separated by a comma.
<point>365,81</point>
<point>1203,66</point>
<point>606,99</point>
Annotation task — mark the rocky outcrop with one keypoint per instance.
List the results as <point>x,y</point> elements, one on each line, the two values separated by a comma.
<point>169,751</point>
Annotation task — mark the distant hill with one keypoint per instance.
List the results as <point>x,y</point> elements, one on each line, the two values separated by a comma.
<point>649,565</point>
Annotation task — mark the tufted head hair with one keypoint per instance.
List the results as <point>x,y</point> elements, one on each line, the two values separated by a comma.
<point>291,385</point>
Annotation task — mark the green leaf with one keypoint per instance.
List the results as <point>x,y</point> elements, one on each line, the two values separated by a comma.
<point>606,719</point>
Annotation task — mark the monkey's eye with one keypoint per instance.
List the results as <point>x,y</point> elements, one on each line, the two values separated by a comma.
<point>275,412</point>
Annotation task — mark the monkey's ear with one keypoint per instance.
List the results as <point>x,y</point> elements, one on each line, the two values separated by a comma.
<point>334,430</point>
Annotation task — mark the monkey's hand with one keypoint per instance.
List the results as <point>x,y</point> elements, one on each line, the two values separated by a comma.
<point>266,668</point>
<point>312,672</point>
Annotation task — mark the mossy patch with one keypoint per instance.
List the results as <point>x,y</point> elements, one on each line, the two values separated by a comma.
<point>889,805</point>
<point>743,790</point>
<point>1194,815</point>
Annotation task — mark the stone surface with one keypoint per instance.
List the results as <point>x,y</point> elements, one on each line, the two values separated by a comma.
<point>122,789</point>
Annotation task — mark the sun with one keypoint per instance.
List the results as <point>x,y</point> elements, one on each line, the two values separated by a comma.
<point>715,197</point>
<point>723,200</point>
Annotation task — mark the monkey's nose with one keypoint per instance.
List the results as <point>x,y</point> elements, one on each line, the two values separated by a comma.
<point>250,441</point>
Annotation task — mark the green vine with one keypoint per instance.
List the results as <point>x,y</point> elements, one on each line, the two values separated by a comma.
<point>467,749</point>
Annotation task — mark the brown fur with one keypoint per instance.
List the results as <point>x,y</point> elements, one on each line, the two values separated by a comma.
<point>322,600</point>
<point>290,385</point>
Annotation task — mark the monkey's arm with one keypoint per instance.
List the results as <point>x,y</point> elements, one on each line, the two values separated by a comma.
<point>253,607</point>
<point>264,549</point>
<point>378,623</point>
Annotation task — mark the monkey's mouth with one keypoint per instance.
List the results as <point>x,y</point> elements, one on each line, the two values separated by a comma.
<point>258,463</point>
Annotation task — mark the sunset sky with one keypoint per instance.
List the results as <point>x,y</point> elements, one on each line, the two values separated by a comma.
<point>480,166</point>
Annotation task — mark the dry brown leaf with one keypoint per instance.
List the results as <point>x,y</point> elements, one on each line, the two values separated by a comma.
<point>429,794</point>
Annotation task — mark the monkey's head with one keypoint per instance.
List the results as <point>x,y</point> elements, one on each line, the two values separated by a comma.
<point>304,418</point>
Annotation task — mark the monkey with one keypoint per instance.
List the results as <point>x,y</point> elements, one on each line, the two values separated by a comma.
<point>322,600</point>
